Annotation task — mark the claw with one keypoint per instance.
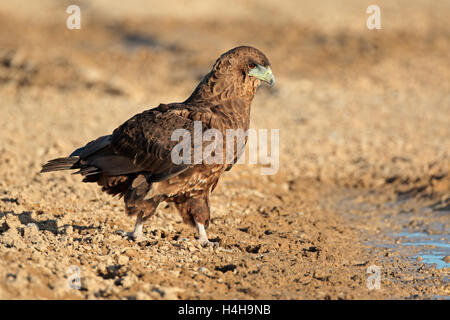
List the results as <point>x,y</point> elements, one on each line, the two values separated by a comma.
<point>137,234</point>
<point>205,243</point>
<point>136,237</point>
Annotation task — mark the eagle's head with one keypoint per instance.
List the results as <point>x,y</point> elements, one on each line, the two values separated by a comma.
<point>248,62</point>
<point>236,74</point>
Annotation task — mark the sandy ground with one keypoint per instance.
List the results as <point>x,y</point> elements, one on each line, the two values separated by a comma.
<point>364,119</point>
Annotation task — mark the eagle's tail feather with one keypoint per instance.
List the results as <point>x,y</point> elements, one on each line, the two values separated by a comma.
<point>60,164</point>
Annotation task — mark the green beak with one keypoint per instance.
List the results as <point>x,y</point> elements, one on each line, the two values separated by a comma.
<point>264,74</point>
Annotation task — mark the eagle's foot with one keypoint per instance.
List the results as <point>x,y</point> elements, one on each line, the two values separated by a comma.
<point>205,243</point>
<point>202,237</point>
<point>136,236</point>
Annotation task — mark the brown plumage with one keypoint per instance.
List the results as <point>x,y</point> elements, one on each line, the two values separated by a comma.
<point>134,162</point>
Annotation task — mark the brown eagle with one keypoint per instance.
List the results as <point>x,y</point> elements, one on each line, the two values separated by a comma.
<point>135,161</point>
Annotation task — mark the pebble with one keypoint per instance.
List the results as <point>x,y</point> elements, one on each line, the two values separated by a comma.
<point>123,259</point>
<point>129,280</point>
<point>203,270</point>
<point>446,259</point>
<point>68,230</point>
<point>13,221</point>
<point>32,228</point>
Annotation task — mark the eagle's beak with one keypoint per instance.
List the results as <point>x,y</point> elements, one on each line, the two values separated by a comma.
<point>262,73</point>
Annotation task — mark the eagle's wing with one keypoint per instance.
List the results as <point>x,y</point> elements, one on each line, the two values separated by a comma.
<point>143,144</point>
<point>145,141</point>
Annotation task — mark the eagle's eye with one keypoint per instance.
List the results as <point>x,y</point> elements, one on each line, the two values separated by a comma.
<point>251,65</point>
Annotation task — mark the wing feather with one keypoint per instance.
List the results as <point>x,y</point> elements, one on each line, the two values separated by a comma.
<point>146,140</point>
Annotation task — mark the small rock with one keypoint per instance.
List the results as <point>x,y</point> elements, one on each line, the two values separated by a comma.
<point>321,275</point>
<point>129,280</point>
<point>109,260</point>
<point>98,238</point>
<point>419,258</point>
<point>31,229</point>
<point>446,259</point>
<point>123,259</point>
<point>68,230</point>
<point>13,221</point>
<point>11,238</point>
<point>36,239</point>
<point>204,270</point>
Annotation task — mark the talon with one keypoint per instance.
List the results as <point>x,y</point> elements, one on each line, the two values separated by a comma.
<point>141,239</point>
<point>136,237</point>
<point>206,243</point>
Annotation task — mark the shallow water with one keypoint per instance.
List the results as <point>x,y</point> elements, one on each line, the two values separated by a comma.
<point>430,241</point>
<point>415,229</point>
<point>432,248</point>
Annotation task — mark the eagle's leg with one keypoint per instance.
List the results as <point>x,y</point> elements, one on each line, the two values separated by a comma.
<point>137,232</point>
<point>143,210</point>
<point>195,211</point>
